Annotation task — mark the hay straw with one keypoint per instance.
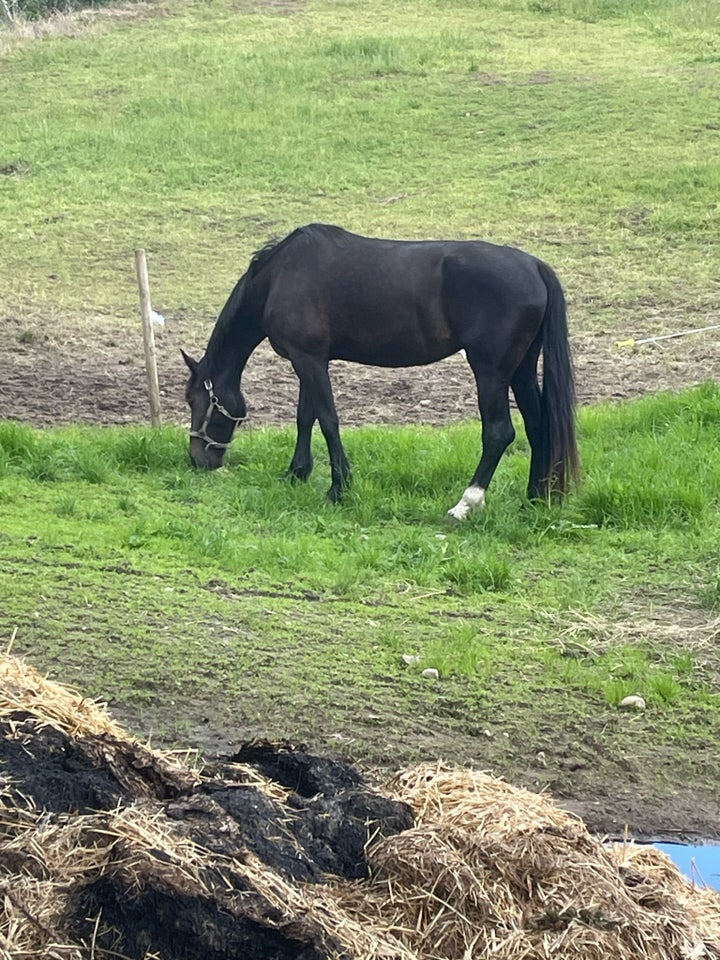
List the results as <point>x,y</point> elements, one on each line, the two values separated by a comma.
<point>488,870</point>
<point>52,858</point>
<point>702,903</point>
<point>493,870</point>
<point>320,907</point>
<point>25,691</point>
<point>41,861</point>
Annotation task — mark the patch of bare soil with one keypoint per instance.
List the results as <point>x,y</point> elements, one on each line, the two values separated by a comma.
<point>59,377</point>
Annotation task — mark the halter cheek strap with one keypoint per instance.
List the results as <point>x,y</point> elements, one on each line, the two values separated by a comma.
<point>214,404</point>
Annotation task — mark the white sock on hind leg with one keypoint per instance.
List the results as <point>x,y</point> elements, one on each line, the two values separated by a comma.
<point>472,499</point>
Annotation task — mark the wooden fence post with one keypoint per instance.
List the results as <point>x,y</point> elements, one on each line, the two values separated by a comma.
<point>6,13</point>
<point>148,337</point>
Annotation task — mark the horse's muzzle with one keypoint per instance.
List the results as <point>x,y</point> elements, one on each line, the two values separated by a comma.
<point>205,457</point>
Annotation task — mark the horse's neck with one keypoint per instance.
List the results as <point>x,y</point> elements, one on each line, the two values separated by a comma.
<point>231,351</point>
<point>237,332</point>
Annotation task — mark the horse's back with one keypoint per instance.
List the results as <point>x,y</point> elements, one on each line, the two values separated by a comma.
<point>392,302</point>
<point>371,301</point>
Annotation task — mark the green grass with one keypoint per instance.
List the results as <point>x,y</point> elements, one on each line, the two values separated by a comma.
<point>580,130</point>
<point>139,578</point>
<point>135,486</point>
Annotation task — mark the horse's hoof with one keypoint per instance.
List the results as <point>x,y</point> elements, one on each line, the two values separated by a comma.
<point>298,476</point>
<point>472,499</point>
<point>339,488</point>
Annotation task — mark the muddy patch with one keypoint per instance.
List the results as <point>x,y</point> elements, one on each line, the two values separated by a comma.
<point>54,377</point>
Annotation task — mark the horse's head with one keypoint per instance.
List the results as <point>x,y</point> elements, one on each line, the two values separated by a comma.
<point>216,408</point>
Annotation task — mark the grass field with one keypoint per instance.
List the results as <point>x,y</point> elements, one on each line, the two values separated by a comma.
<point>209,607</point>
<point>583,131</point>
<point>235,603</point>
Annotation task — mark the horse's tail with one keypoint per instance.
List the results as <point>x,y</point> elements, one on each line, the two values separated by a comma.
<point>559,460</point>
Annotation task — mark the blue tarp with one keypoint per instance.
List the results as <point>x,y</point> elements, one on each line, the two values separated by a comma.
<point>701,864</point>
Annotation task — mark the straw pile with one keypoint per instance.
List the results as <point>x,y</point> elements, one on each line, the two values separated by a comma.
<point>229,862</point>
<point>147,857</point>
<point>490,870</point>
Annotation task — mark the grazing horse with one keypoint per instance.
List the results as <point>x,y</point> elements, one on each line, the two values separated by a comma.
<point>325,294</point>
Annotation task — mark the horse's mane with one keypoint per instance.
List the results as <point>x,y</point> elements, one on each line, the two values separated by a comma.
<point>312,231</point>
<point>243,297</point>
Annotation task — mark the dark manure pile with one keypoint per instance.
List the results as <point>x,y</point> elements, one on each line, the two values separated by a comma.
<point>109,849</point>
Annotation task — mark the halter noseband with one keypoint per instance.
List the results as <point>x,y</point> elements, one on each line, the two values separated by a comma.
<point>202,433</point>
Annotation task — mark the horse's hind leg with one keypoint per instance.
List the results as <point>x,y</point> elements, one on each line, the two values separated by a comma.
<point>497,434</point>
<point>528,398</point>
<point>302,462</point>
<point>315,388</point>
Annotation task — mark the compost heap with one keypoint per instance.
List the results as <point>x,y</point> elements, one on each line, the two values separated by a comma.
<point>109,849</point>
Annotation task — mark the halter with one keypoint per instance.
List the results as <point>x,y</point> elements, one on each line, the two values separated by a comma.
<point>202,433</point>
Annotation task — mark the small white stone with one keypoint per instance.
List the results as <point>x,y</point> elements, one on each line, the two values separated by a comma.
<point>632,703</point>
<point>410,660</point>
<point>431,673</point>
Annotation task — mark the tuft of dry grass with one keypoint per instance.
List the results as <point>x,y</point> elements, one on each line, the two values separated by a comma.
<point>683,629</point>
<point>72,23</point>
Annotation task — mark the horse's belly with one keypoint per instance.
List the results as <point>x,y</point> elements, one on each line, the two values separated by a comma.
<point>390,333</point>
<point>385,352</point>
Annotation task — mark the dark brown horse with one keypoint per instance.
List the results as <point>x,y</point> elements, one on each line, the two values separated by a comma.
<point>323,294</point>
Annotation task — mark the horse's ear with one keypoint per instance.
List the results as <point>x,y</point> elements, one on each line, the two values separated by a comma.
<point>191,364</point>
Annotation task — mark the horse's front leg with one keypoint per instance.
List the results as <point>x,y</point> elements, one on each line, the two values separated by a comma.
<point>302,462</point>
<point>315,385</point>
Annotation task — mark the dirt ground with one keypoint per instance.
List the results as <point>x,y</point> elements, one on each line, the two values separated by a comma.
<point>97,376</point>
